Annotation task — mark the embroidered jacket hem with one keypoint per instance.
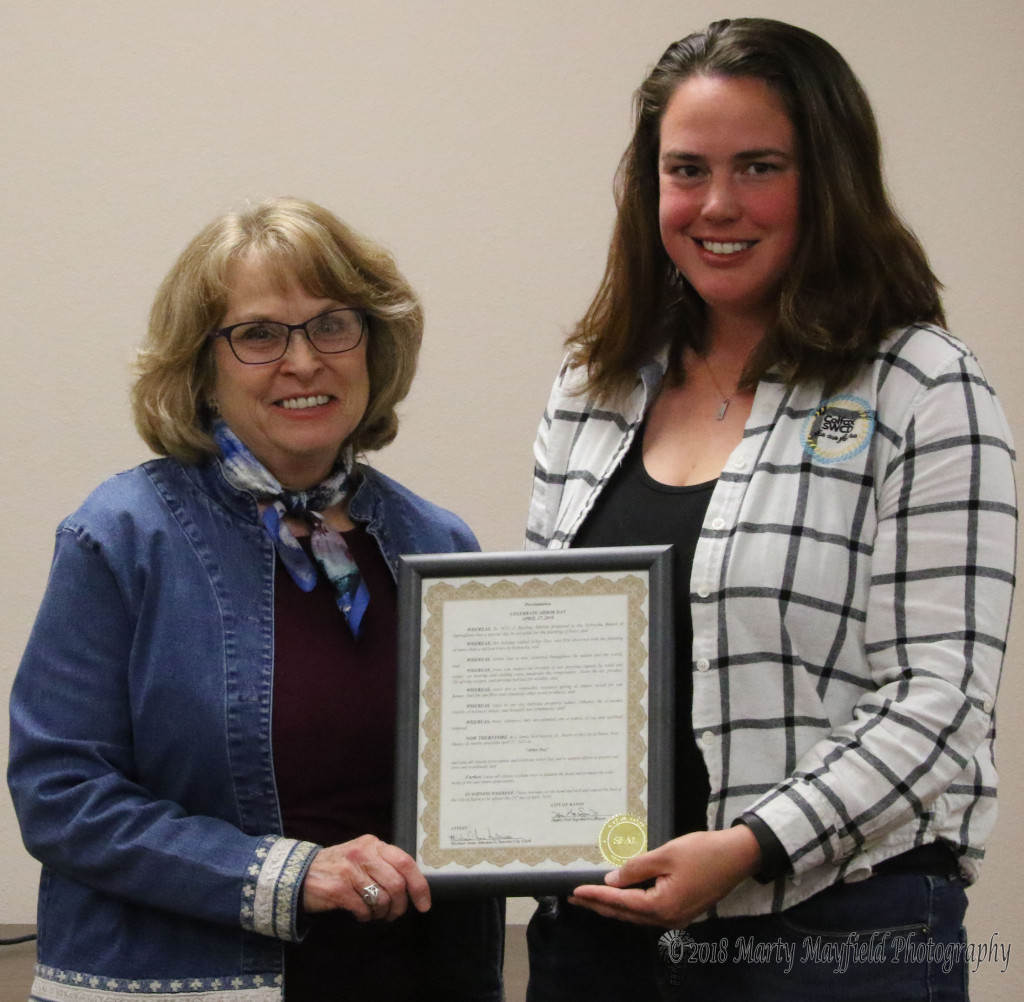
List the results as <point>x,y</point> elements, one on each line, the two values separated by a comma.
<point>54,985</point>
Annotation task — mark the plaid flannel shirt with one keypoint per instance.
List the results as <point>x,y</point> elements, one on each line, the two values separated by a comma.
<point>850,594</point>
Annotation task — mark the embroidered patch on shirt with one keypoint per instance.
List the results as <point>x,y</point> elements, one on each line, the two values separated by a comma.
<point>839,429</point>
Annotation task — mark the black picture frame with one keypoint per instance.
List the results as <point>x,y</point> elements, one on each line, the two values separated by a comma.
<point>591,568</point>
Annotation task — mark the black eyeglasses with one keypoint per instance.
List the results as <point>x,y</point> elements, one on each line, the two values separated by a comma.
<point>259,341</point>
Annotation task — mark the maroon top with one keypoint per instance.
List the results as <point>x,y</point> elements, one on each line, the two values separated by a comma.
<point>333,735</point>
<point>334,704</point>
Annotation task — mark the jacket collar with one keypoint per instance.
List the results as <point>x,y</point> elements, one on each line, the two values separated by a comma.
<point>209,478</point>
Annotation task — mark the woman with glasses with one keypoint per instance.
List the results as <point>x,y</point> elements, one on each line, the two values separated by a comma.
<point>203,724</point>
<point>763,381</point>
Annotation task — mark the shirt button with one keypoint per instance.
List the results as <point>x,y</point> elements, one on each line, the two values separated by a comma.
<point>987,705</point>
<point>707,739</point>
<point>739,462</point>
<point>703,592</point>
<point>718,523</point>
<point>703,664</point>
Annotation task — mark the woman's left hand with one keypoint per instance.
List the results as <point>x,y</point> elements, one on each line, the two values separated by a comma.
<point>690,874</point>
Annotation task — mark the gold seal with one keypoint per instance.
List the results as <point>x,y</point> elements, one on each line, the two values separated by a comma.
<point>623,837</point>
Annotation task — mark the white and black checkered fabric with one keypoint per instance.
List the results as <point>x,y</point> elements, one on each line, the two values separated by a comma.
<point>850,594</point>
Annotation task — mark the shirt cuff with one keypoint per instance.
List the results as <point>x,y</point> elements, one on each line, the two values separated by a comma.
<point>774,859</point>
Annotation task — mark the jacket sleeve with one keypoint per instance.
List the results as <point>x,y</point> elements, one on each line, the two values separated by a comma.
<point>942,576</point>
<point>74,771</point>
<point>548,472</point>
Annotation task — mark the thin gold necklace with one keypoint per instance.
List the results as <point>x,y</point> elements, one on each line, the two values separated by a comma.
<point>724,405</point>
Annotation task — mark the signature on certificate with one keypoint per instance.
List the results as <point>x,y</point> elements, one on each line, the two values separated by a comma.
<point>578,814</point>
<point>463,835</point>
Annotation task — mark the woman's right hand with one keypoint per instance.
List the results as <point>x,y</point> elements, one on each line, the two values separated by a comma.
<point>340,874</point>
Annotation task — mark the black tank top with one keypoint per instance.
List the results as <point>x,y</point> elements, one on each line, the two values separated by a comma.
<point>636,510</point>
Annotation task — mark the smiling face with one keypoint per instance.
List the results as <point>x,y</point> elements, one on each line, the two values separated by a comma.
<point>293,414</point>
<point>729,185</point>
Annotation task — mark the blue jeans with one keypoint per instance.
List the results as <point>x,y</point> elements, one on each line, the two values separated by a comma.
<point>896,938</point>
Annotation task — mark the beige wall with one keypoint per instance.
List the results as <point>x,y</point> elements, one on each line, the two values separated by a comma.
<point>478,140</point>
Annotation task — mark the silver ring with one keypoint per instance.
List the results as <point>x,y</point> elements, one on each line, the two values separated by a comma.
<point>371,895</point>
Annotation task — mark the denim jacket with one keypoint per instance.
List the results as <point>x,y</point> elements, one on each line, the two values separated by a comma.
<point>140,764</point>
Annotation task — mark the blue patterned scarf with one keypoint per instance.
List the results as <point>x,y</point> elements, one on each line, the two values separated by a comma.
<point>244,471</point>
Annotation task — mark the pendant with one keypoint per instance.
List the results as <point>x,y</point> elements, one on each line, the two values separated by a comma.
<point>722,408</point>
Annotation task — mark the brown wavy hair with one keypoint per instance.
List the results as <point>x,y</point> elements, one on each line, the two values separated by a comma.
<point>295,240</point>
<point>857,272</point>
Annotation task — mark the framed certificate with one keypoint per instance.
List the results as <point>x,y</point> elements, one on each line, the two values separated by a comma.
<point>535,719</point>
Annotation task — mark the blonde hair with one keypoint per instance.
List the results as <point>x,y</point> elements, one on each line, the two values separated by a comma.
<point>295,240</point>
